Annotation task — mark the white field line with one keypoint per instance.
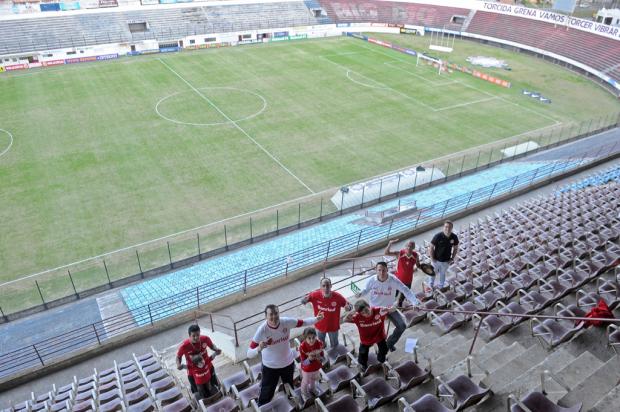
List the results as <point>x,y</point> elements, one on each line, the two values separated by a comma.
<point>237,126</point>
<point>10,141</point>
<point>466,104</point>
<point>556,122</point>
<point>382,85</point>
<point>434,83</point>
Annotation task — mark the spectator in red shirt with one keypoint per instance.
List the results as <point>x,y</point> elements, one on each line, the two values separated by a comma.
<point>197,344</point>
<point>329,302</point>
<point>408,262</point>
<point>370,322</point>
<point>202,376</point>
<point>311,354</point>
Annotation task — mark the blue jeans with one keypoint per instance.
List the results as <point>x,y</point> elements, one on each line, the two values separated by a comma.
<point>333,338</point>
<point>441,268</point>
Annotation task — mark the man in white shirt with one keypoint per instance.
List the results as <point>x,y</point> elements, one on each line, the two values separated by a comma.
<point>381,291</point>
<point>271,340</point>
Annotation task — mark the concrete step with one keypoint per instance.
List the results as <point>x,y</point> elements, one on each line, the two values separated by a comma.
<point>457,354</point>
<point>501,358</point>
<point>530,379</point>
<point>487,351</point>
<point>594,386</point>
<point>609,402</point>
<point>584,365</point>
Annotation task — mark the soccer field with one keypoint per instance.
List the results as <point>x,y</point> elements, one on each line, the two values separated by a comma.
<point>106,155</point>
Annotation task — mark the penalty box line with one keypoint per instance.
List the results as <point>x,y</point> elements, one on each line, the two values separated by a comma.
<point>199,93</point>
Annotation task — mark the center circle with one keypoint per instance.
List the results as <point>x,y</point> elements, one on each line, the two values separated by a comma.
<point>9,141</point>
<point>242,103</point>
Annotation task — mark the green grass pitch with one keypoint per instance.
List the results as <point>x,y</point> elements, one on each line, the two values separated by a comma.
<point>111,154</point>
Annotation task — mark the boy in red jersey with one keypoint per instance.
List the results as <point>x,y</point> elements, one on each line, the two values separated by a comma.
<point>311,354</point>
<point>196,344</point>
<point>202,376</point>
<point>408,262</point>
<point>329,303</point>
<point>370,322</point>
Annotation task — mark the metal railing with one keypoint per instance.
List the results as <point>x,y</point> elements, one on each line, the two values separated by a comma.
<point>41,353</point>
<point>84,278</point>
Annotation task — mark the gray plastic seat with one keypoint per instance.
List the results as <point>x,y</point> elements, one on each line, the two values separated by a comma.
<point>340,377</point>
<point>464,392</point>
<point>343,404</point>
<point>427,403</point>
<point>226,404</point>
<point>410,374</point>
<point>182,405</point>
<point>553,332</point>
<point>537,402</point>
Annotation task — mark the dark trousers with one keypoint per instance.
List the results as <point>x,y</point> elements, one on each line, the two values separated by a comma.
<point>270,379</point>
<point>213,381</point>
<point>400,296</point>
<point>399,328</point>
<point>362,357</point>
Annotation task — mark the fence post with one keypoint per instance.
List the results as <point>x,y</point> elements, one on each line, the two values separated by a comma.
<point>139,264</point>
<point>503,153</point>
<point>106,272</point>
<point>211,318</point>
<point>415,180</point>
<point>150,314</point>
<point>251,232</point>
<point>390,229</point>
<point>469,200</point>
<point>359,239</point>
<point>492,191</point>
<point>490,157</point>
<point>169,254</point>
<point>329,244</point>
<point>278,221</point>
<point>72,284</point>
<point>398,184</point>
<point>321,210</point>
<point>478,160</point>
<point>38,355</point>
<point>341,200</point>
<point>198,243</point>
<point>96,334</point>
<point>245,281</point>
<point>445,208</point>
<point>513,184</point>
<point>380,189</point>
<point>430,182</point>
<point>298,215</point>
<point>533,177</point>
<point>462,164</point>
<point>225,238</point>
<point>197,297</point>
<point>40,294</point>
<point>447,171</point>
<point>363,192</point>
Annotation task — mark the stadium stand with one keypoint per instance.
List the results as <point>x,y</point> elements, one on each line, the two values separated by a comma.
<point>142,384</point>
<point>598,52</point>
<point>165,24</point>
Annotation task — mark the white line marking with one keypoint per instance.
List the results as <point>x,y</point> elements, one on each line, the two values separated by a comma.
<point>390,64</point>
<point>364,84</point>
<point>382,85</point>
<point>466,104</point>
<point>236,126</point>
<point>10,141</point>
<point>163,99</point>
<point>556,122</point>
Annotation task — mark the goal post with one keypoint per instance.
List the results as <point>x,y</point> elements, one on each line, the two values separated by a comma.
<point>439,64</point>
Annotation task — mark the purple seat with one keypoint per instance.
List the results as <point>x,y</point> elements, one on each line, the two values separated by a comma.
<point>506,289</point>
<point>136,396</point>
<point>182,405</point>
<point>613,337</point>
<point>337,353</point>
<point>494,326</point>
<point>169,396</point>
<point>553,332</point>
<point>226,404</point>
<point>464,392</point>
<point>427,403</point>
<point>279,403</point>
<point>487,299</point>
<point>240,380</point>
<point>247,395</point>
<point>340,377</point>
<point>162,385</point>
<point>537,402</point>
<point>112,406</point>
<point>447,321</point>
<point>409,374</point>
<point>378,392</point>
<point>145,405</point>
<point>344,404</point>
